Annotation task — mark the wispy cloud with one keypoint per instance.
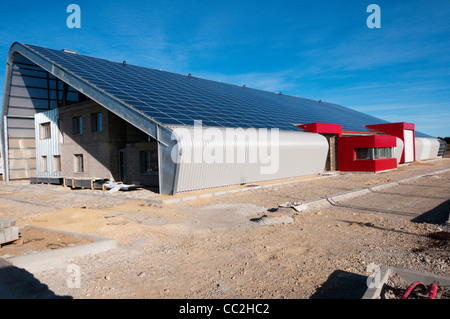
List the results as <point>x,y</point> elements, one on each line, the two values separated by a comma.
<point>272,82</point>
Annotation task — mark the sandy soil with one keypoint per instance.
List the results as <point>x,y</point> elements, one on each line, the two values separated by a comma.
<point>213,248</point>
<point>34,240</point>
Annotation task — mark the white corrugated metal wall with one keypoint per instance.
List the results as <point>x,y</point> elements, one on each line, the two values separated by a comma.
<point>398,150</point>
<point>48,147</point>
<point>291,154</point>
<point>426,148</point>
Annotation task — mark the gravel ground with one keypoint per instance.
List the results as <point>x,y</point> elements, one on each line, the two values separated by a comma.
<point>213,248</point>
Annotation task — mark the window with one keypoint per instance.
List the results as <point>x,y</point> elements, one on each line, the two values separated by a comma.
<point>61,136</point>
<point>96,122</point>
<point>78,163</point>
<point>44,164</point>
<point>383,152</point>
<point>56,163</point>
<point>77,125</point>
<point>374,153</point>
<point>149,162</point>
<point>45,131</point>
<point>364,153</point>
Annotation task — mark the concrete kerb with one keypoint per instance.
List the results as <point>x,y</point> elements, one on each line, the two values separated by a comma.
<point>217,193</point>
<point>330,200</point>
<point>314,202</point>
<point>44,260</point>
<point>381,278</point>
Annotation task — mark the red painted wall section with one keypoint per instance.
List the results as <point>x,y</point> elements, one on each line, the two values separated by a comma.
<point>397,129</point>
<point>325,128</point>
<point>347,155</point>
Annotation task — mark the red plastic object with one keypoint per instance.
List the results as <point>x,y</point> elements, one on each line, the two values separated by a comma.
<point>414,285</point>
<point>433,291</point>
<point>411,287</point>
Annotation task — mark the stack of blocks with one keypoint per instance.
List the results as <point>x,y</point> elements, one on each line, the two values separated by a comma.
<point>8,231</point>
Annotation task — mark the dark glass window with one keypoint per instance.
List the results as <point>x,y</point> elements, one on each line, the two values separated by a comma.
<point>77,125</point>
<point>149,162</point>
<point>364,153</point>
<point>374,153</point>
<point>96,122</point>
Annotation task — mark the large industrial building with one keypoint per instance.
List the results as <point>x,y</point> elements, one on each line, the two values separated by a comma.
<point>68,116</point>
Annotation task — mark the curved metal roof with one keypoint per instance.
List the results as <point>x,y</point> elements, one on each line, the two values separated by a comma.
<point>174,99</point>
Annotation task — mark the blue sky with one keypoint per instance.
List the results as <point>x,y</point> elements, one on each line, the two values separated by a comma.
<point>313,49</point>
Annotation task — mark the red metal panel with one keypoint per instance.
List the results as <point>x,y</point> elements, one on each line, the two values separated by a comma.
<point>347,155</point>
<point>326,128</point>
<point>397,129</point>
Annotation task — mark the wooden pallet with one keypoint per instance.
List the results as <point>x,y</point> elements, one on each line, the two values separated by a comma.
<point>82,183</point>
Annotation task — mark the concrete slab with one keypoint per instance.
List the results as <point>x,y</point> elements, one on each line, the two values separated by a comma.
<point>6,222</point>
<point>40,261</point>
<point>329,200</point>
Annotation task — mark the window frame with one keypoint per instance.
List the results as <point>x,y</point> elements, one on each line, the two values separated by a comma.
<point>45,131</point>
<point>44,164</point>
<point>56,163</point>
<point>374,153</point>
<point>77,125</point>
<point>145,163</point>
<point>97,122</point>
<point>78,163</point>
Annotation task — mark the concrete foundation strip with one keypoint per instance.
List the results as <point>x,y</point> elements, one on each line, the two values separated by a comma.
<point>313,202</point>
<point>44,260</point>
<point>331,199</point>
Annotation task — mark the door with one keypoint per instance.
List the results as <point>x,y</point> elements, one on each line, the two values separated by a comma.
<point>332,158</point>
<point>409,146</point>
<point>122,157</point>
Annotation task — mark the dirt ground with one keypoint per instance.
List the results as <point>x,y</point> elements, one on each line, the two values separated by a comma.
<point>213,248</point>
<point>34,240</point>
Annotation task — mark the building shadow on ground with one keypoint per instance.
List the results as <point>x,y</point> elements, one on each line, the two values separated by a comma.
<point>438,215</point>
<point>342,285</point>
<point>18,283</point>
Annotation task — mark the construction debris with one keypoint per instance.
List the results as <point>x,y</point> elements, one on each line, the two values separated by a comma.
<point>115,187</point>
<point>272,219</point>
<point>297,206</point>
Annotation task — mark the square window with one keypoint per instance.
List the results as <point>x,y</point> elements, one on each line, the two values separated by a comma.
<point>45,131</point>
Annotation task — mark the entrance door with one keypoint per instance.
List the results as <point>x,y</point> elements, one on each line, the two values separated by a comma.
<point>332,157</point>
<point>409,146</point>
<point>122,157</point>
